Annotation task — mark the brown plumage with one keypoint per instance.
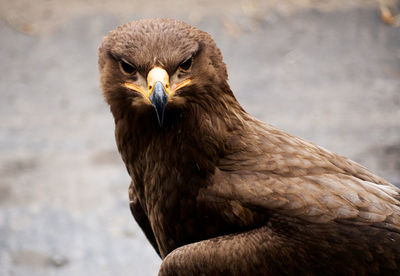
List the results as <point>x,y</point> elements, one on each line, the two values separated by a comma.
<point>217,191</point>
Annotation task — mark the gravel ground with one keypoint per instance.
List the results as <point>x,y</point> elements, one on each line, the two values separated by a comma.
<point>326,71</point>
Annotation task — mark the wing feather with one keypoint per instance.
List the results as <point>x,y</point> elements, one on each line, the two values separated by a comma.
<point>284,174</point>
<point>141,217</point>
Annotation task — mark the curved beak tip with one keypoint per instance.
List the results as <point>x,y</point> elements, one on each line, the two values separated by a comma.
<point>159,99</point>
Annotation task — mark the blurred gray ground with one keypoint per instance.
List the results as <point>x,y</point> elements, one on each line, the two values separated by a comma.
<point>326,71</point>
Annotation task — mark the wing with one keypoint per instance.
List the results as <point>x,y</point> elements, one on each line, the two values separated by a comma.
<point>279,173</point>
<point>141,218</point>
<point>312,199</point>
<point>287,246</point>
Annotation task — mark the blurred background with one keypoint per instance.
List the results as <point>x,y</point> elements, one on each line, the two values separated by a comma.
<point>327,71</point>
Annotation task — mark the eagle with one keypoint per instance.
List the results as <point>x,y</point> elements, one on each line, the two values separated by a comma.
<point>218,192</point>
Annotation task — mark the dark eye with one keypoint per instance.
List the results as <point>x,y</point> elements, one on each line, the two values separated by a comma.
<point>127,68</point>
<point>185,65</point>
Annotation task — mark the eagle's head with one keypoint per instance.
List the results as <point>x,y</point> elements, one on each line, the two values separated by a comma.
<point>155,64</point>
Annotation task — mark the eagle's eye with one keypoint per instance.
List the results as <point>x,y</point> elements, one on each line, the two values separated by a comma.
<point>185,65</point>
<point>127,68</point>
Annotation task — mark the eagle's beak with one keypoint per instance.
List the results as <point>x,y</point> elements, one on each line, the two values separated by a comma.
<point>158,86</point>
<point>159,99</point>
<point>158,90</point>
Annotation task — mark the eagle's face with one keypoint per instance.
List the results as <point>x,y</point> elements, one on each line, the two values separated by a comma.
<point>158,63</point>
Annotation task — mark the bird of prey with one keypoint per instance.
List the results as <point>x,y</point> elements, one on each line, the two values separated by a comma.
<point>218,192</point>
